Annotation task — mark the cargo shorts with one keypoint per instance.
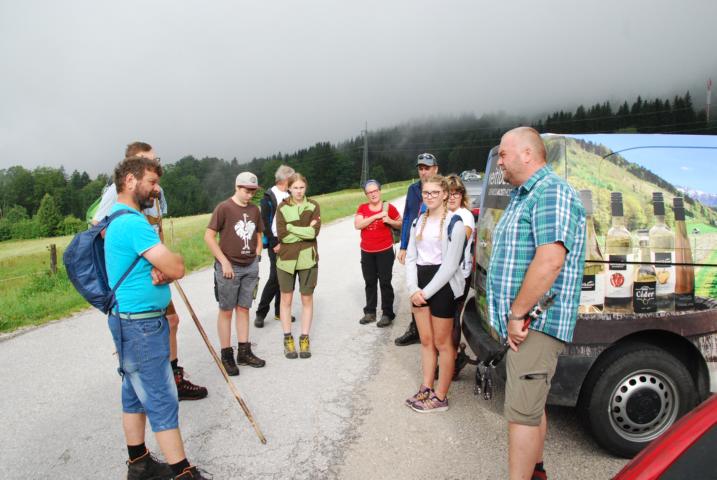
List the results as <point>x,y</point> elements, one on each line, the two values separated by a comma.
<point>239,291</point>
<point>529,372</point>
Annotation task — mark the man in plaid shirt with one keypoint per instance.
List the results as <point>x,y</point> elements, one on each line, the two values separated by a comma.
<point>538,248</point>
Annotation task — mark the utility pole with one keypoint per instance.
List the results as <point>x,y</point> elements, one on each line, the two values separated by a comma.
<point>364,166</point>
<point>709,99</point>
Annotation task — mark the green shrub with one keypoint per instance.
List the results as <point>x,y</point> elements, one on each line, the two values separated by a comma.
<point>71,225</point>
<point>25,229</point>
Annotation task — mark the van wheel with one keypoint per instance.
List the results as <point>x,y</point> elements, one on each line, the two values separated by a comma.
<point>634,395</point>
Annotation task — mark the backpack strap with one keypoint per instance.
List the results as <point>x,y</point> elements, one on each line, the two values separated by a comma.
<point>114,215</point>
<point>452,224</point>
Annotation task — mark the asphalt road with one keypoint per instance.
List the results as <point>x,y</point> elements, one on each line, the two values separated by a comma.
<point>339,414</point>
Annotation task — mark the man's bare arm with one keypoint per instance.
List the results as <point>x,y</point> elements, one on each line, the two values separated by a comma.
<point>541,275</point>
<point>169,263</point>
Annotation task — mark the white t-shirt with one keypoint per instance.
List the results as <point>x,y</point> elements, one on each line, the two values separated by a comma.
<point>428,249</point>
<point>280,197</point>
<point>468,221</point>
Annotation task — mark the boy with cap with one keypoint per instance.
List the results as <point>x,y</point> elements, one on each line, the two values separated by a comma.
<point>236,269</point>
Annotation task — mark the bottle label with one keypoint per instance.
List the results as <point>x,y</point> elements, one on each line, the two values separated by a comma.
<point>593,290</point>
<point>618,283</point>
<point>644,299</point>
<point>665,273</point>
<point>684,301</point>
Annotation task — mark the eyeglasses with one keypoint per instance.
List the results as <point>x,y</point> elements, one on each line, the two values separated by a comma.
<point>432,194</point>
<point>372,192</point>
<point>455,194</point>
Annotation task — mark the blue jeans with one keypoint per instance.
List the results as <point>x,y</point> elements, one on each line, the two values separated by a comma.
<point>147,380</point>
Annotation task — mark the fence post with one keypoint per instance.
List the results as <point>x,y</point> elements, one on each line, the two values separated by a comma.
<point>53,258</point>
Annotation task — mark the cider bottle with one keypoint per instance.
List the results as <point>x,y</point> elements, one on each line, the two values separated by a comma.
<point>618,284</point>
<point>644,289</point>
<point>662,247</point>
<point>684,274</point>
<point>592,294</point>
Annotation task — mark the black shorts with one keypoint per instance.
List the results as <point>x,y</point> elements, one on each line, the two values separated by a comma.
<point>442,303</point>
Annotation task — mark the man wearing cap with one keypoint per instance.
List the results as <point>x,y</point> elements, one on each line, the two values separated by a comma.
<point>236,269</point>
<point>427,166</point>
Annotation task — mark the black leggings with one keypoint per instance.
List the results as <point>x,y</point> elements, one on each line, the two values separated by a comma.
<point>377,267</point>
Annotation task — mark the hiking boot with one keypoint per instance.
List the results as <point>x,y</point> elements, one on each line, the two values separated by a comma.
<point>410,337</point>
<point>304,346</point>
<point>423,393</point>
<point>246,357</point>
<point>367,318</point>
<point>259,321</point>
<point>228,361</point>
<point>385,321</point>
<point>289,347</point>
<point>193,473</point>
<point>277,317</point>
<point>186,390</point>
<point>148,467</point>
<point>430,405</point>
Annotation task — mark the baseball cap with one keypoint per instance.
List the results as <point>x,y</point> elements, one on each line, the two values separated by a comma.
<point>426,159</point>
<point>247,180</point>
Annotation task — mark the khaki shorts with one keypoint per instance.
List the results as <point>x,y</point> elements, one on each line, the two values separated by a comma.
<point>307,280</point>
<point>528,375</point>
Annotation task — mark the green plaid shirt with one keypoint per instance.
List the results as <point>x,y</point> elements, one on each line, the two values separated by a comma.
<point>544,210</point>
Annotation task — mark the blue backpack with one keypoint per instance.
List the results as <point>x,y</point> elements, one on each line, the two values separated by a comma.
<point>84,261</point>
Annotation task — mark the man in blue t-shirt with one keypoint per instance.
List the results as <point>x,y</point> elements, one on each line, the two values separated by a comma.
<point>139,326</point>
<point>154,212</point>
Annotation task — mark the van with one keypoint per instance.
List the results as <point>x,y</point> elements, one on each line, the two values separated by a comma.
<point>630,375</point>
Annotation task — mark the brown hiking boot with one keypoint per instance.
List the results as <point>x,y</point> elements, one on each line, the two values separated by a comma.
<point>146,467</point>
<point>228,362</point>
<point>186,390</point>
<point>193,473</point>
<point>246,357</point>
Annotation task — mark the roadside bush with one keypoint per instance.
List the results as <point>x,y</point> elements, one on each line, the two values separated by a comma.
<point>71,225</point>
<point>25,229</point>
<point>5,230</point>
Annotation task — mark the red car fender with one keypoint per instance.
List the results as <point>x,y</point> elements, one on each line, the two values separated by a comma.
<point>663,451</point>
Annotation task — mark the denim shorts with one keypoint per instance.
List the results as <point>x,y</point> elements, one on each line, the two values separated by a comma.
<point>239,291</point>
<point>147,380</point>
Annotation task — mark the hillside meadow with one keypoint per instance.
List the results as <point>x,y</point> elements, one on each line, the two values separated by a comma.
<point>31,295</point>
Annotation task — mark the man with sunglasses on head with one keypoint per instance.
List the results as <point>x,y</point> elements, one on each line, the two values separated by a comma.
<point>427,165</point>
<point>186,390</point>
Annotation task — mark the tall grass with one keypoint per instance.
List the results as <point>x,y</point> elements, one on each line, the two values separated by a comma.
<point>30,295</point>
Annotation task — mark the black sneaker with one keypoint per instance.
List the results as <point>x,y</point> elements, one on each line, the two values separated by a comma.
<point>186,390</point>
<point>385,321</point>
<point>259,321</point>
<point>367,318</point>
<point>246,357</point>
<point>193,473</point>
<point>410,337</point>
<point>147,467</point>
<point>277,317</point>
<point>228,362</point>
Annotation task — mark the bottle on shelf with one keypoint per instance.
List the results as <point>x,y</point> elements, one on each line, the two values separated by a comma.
<point>684,270</point>
<point>592,295</point>
<point>662,248</point>
<point>644,287</point>
<point>618,283</point>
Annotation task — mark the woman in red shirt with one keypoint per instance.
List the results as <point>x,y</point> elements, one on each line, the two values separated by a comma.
<point>374,219</point>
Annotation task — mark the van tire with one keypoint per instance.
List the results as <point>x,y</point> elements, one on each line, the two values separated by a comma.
<point>633,394</point>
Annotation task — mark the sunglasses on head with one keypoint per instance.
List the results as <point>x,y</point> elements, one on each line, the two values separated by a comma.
<point>426,156</point>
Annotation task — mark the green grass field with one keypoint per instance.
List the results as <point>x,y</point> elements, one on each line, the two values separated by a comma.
<point>30,295</point>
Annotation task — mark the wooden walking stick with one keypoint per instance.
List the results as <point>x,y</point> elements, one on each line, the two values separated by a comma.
<point>232,387</point>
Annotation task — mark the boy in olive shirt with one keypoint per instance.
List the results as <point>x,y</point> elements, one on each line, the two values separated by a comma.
<point>236,269</point>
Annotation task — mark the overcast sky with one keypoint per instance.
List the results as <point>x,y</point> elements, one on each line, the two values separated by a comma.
<point>79,79</point>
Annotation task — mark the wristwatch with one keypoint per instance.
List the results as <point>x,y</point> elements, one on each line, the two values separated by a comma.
<point>516,317</point>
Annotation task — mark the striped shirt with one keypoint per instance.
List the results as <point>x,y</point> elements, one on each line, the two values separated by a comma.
<point>544,210</point>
